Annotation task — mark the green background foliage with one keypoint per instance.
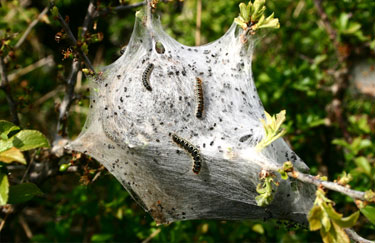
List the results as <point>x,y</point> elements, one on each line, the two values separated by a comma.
<point>293,69</point>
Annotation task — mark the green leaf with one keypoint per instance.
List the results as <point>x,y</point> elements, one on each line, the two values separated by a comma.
<point>29,139</point>
<point>326,222</point>
<point>352,28</point>
<point>244,12</point>
<point>283,174</point>
<point>314,217</point>
<point>331,211</point>
<point>348,221</point>
<point>5,145</point>
<point>101,237</point>
<point>369,213</point>
<point>340,142</point>
<point>340,235</point>
<point>258,228</point>
<point>55,11</point>
<point>5,128</point>
<point>363,164</point>
<point>272,129</point>
<point>23,193</point>
<point>4,189</point>
<point>263,200</point>
<point>12,155</point>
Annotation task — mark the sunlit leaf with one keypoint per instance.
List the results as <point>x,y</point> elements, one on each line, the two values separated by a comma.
<point>314,217</point>
<point>12,155</point>
<point>272,129</point>
<point>258,228</point>
<point>4,189</point>
<point>29,139</point>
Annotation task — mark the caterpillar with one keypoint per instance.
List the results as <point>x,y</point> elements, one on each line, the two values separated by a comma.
<point>199,97</point>
<point>146,76</point>
<point>192,150</point>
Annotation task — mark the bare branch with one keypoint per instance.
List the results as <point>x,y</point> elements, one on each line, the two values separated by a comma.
<point>59,141</point>
<point>73,42</point>
<point>118,8</point>
<point>8,94</point>
<point>327,184</point>
<point>30,27</point>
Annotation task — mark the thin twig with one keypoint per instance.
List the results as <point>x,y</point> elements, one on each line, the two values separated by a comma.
<point>73,42</point>
<point>118,8</point>
<point>28,168</point>
<point>2,223</point>
<point>153,235</point>
<point>25,226</point>
<point>88,18</point>
<point>8,94</point>
<point>355,237</point>
<point>68,97</point>
<point>72,79</point>
<point>20,72</point>
<point>327,184</point>
<point>30,27</point>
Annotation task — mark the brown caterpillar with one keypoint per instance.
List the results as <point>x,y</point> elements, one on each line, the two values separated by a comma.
<point>192,150</point>
<point>199,97</point>
<point>146,76</point>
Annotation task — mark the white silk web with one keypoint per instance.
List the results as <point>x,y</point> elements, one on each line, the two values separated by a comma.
<point>129,130</point>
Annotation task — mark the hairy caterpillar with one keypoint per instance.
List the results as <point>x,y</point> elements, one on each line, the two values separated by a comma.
<point>199,97</point>
<point>192,150</point>
<point>146,76</point>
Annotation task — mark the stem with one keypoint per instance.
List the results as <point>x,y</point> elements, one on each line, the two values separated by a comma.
<point>8,94</point>
<point>73,41</point>
<point>327,184</point>
<point>30,27</point>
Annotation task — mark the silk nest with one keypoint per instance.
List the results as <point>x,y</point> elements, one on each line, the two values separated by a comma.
<point>130,126</point>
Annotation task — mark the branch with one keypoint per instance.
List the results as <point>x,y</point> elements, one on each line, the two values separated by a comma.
<point>88,18</point>
<point>8,94</point>
<point>118,8</point>
<point>20,72</point>
<point>73,42</point>
<point>30,27</point>
<point>327,184</point>
<point>355,237</point>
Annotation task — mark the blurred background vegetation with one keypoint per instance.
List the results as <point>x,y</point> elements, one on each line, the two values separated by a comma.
<point>301,67</point>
